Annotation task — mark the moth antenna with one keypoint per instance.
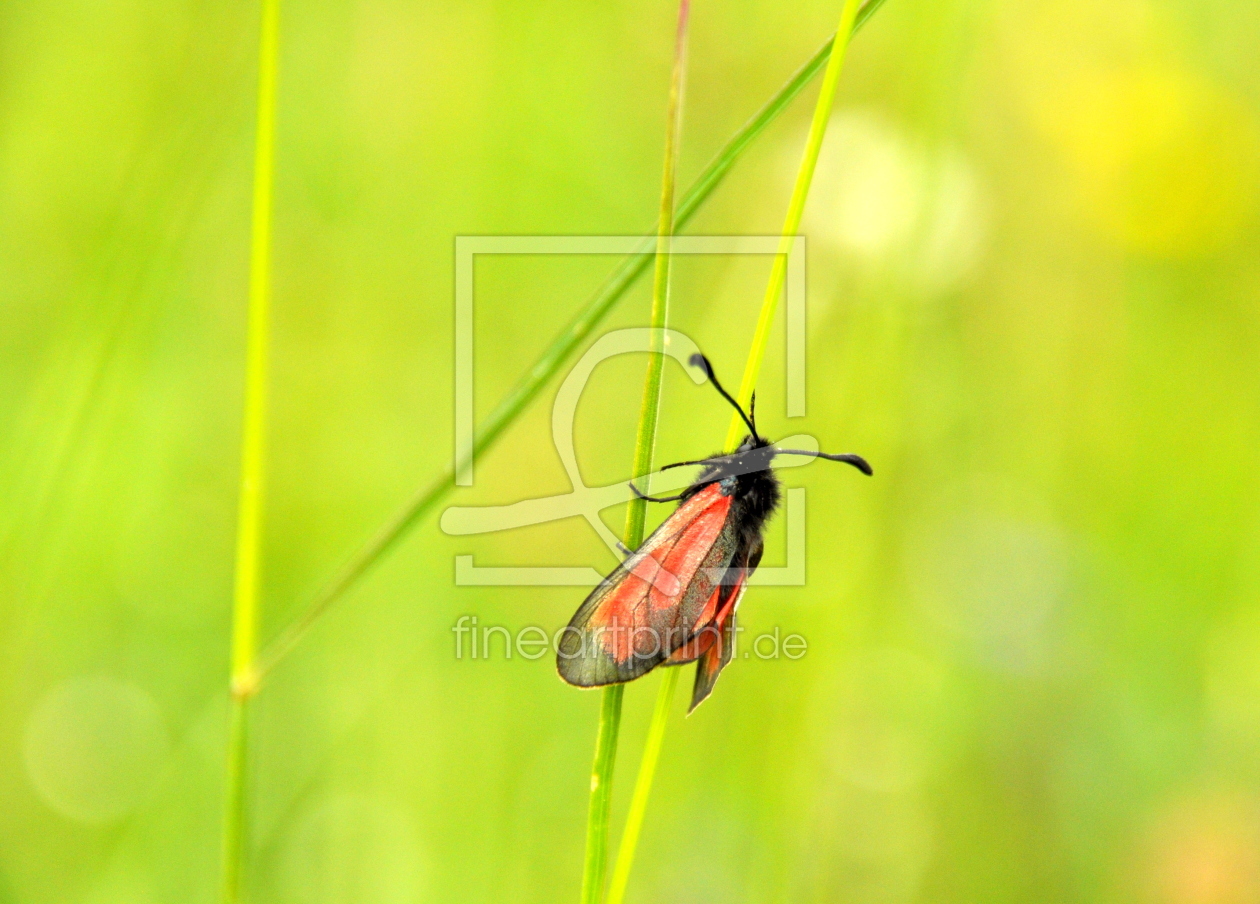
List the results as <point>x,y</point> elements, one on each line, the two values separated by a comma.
<point>752,411</point>
<point>848,458</point>
<point>700,361</point>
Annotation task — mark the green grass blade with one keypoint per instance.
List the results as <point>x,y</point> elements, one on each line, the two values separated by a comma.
<point>792,222</point>
<point>551,360</point>
<point>253,460</point>
<point>650,408</point>
<point>722,162</point>
<point>600,809</point>
<point>235,787</point>
<point>644,445</point>
<point>642,787</point>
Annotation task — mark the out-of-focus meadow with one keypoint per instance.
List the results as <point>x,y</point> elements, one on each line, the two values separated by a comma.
<point>1034,637</point>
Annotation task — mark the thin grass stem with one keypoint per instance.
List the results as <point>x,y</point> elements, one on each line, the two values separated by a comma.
<point>599,811</point>
<point>792,222</point>
<point>245,602</point>
<point>642,787</point>
<point>650,408</point>
<point>549,362</point>
<point>644,445</point>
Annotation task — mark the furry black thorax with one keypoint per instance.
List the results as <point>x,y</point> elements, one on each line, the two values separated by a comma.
<point>745,474</point>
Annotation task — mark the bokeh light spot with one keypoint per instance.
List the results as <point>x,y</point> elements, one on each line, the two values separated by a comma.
<point>994,585</point>
<point>93,748</point>
<point>1166,161</point>
<point>351,847</point>
<point>891,206</point>
<point>1161,158</point>
<point>1204,849</point>
<point>891,705</point>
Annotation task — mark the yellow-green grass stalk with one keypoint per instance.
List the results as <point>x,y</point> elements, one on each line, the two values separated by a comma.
<point>792,222</point>
<point>245,603</point>
<point>548,364</point>
<point>598,812</point>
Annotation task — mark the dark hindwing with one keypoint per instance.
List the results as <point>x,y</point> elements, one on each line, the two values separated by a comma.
<point>650,605</point>
<point>720,633</point>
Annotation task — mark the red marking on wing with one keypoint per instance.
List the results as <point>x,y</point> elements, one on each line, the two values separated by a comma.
<point>710,625</point>
<point>728,608</point>
<point>709,612</point>
<point>719,650</point>
<point>662,570</point>
<point>709,666</point>
<point>700,641</point>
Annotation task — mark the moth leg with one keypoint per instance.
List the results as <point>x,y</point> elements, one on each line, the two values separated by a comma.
<point>699,461</point>
<point>643,495</point>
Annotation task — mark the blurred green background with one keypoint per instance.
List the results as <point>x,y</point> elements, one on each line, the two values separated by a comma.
<point>1034,662</point>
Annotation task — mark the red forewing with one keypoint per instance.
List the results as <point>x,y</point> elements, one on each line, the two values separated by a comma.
<point>653,602</point>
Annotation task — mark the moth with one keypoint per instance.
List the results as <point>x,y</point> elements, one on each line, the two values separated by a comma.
<point>673,600</point>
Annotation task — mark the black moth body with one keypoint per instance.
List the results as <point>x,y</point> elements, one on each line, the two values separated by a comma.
<point>673,600</point>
